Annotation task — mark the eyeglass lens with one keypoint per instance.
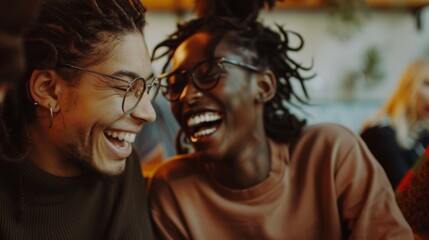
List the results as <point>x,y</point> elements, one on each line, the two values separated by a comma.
<point>205,76</point>
<point>136,91</point>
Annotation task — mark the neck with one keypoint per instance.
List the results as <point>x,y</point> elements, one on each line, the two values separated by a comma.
<point>246,168</point>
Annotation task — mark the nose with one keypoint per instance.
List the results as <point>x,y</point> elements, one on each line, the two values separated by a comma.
<point>190,94</point>
<point>144,110</point>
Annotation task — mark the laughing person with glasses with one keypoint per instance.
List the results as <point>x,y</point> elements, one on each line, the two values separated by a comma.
<point>256,170</point>
<point>69,170</point>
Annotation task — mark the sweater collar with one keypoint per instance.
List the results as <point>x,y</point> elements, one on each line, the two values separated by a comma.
<point>41,187</point>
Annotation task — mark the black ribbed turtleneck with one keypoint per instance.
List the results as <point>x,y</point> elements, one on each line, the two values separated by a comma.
<point>37,205</point>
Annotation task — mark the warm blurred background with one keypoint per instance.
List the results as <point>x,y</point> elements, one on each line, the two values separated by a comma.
<point>359,48</point>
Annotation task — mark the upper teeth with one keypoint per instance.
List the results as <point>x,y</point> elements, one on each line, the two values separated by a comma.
<point>123,136</point>
<point>202,117</point>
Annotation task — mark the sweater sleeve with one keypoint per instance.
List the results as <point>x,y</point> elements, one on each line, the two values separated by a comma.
<point>366,200</point>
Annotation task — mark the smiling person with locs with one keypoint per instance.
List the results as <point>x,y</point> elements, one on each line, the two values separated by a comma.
<point>257,172</point>
<point>68,170</point>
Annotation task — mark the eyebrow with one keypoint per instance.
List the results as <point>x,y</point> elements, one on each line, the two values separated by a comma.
<point>123,73</point>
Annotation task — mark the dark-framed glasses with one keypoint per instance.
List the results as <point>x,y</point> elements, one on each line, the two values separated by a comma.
<point>205,76</point>
<point>134,89</point>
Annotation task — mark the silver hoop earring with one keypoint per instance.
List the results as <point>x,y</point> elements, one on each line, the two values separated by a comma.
<point>52,116</point>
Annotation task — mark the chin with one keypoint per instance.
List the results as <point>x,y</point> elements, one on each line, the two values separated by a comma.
<point>212,152</point>
<point>113,169</point>
<point>103,170</point>
<point>106,173</point>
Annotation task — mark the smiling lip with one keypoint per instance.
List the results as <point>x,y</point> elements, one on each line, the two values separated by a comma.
<point>119,143</point>
<point>202,124</point>
<point>121,135</point>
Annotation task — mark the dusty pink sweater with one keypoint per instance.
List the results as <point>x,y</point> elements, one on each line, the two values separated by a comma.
<point>329,187</point>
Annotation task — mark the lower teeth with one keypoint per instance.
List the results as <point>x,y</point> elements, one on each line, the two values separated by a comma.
<point>205,132</point>
<point>118,143</point>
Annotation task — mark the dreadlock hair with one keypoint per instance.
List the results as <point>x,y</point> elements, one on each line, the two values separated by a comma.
<point>68,31</point>
<point>239,27</point>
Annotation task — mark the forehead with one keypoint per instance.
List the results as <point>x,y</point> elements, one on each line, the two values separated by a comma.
<point>129,53</point>
<point>195,49</point>
<point>192,50</point>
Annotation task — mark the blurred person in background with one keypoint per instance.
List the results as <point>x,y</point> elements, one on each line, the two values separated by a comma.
<point>257,171</point>
<point>398,134</point>
<point>14,17</point>
<point>68,169</point>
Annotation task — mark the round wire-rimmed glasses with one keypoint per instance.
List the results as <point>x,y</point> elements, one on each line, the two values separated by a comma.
<point>204,76</point>
<point>134,90</point>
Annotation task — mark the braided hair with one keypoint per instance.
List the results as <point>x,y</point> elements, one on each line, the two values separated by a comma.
<point>68,31</point>
<point>236,22</point>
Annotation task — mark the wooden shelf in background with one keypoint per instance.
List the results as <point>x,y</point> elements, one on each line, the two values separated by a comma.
<point>173,5</point>
<point>397,3</point>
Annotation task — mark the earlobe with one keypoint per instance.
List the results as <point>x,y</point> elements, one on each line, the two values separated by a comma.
<point>266,86</point>
<point>44,89</point>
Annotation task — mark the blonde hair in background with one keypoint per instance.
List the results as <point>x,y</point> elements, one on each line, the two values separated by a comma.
<point>402,107</point>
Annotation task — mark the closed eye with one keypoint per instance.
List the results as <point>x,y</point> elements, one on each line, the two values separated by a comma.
<point>123,89</point>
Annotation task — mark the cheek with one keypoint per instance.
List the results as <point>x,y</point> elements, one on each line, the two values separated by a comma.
<point>237,94</point>
<point>85,113</point>
<point>231,87</point>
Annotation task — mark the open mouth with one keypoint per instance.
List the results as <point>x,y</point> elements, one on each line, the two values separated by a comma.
<point>203,124</point>
<point>120,139</point>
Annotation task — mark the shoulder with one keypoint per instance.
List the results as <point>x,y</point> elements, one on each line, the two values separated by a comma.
<point>178,167</point>
<point>327,132</point>
<point>327,142</point>
<point>179,176</point>
<point>328,148</point>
